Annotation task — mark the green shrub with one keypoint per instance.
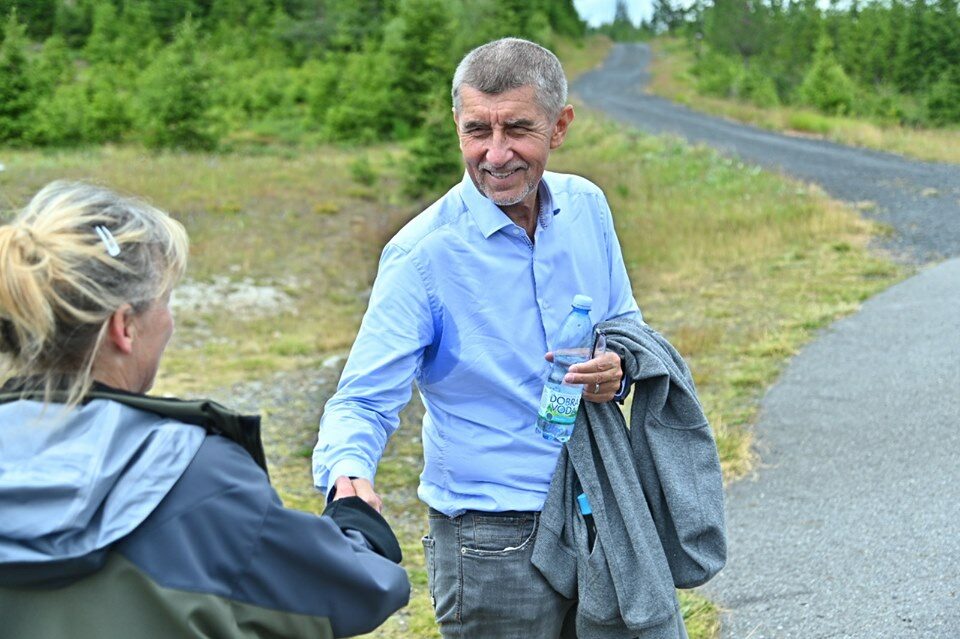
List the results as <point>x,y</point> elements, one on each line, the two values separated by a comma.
<point>93,110</point>
<point>321,80</point>
<point>364,106</point>
<point>884,102</point>
<point>754,85</point>
<point>362,171</point>
<point>943,99</point>
<point>716,74</point>
<point>826,85</point>
<point>808,122</point>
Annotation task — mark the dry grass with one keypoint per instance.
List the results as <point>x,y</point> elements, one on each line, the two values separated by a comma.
<point>671,78</point>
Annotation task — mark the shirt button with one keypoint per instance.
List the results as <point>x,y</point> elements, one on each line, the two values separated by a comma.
<point>516,231</point>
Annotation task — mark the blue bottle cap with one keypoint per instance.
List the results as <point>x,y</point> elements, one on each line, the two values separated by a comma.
<point>583,301</point>
<point>584,504</point>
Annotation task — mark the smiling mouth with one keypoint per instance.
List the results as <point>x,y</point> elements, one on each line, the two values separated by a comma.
<point>501,175</point>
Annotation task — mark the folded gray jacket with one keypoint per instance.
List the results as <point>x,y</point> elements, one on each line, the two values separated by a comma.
<point>656,494</point>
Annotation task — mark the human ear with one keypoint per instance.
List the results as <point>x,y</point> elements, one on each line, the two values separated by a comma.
<point>561,126</point>
<point>121,330</point>
<point>456,125</point>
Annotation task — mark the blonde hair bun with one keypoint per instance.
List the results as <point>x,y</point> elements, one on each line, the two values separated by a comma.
<point>60,279</point>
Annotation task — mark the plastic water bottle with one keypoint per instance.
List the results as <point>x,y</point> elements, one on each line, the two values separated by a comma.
<point>560,402</point>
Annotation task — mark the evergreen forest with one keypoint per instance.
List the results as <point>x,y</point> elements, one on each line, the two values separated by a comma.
<point>892,61</point>
<point>221,74</point>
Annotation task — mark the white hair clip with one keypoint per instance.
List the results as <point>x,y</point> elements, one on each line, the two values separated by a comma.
<point>113,249</point>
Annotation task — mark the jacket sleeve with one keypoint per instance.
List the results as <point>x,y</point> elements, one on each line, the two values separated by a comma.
<point>682,481</point>
<point>675,454</point>
<point>223,531</point>
<point>309,565</point>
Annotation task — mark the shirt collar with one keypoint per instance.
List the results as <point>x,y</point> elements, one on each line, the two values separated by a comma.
<point>488,216</point>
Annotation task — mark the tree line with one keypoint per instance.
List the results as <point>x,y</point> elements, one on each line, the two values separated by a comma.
<point>888,60</point>
<point>202,74</point>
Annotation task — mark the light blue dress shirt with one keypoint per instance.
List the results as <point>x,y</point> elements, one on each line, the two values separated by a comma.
<point>465,305</point>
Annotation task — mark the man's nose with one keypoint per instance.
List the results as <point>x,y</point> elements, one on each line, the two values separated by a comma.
<point>499,151</point>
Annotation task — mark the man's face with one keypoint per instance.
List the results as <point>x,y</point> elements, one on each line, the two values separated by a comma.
<point>506,139</point>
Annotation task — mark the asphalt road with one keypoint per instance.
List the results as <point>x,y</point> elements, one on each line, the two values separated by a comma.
<point>920,200</point>
<point>850,527</point>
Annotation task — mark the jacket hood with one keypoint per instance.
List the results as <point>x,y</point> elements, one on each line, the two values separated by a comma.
<point>74,481</point>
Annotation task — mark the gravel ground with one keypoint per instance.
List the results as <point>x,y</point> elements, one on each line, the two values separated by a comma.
<point>848,529</point>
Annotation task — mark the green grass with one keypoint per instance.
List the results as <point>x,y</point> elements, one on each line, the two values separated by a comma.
<point>671,78</point>
<point>737,267</point>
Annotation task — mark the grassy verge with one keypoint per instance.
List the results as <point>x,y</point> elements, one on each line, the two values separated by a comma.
<point>671,78</point>
<point>737,267</point>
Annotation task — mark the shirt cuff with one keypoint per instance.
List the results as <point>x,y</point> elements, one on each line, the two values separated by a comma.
<point>625,384</point>
<point>352,468</point>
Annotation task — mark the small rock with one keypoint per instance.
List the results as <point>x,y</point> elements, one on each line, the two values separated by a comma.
<point>334,361</point>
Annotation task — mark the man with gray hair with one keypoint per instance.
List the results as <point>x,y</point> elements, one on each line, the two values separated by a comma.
<point>468,297</point>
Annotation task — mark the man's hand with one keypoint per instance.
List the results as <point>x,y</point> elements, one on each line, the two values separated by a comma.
<point>362,488</point>
<point>600,376</point>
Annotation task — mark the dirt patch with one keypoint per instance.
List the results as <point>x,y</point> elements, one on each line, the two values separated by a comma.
<point>243,298</point>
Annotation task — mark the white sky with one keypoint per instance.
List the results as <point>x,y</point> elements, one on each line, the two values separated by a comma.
<point>597,12</point>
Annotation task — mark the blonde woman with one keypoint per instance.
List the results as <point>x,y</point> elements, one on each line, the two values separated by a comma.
<point>123,515</point>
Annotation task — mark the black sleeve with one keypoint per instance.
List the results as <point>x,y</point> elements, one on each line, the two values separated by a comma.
<point>352,513</point>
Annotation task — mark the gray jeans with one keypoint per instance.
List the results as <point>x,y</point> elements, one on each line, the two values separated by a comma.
<point>482,582</point>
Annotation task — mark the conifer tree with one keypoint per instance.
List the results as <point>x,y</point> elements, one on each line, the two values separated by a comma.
<point>17,98</point>
<point>736,27</point>
<point>877,40</point>
<point>73,21</point>
<point>622,29</point>
<point>912,59</point>
<point>363,109</point>
<point>137,35</point>
<point>417,47</point>
<point>795,41</point>
<point>102,44</point>
<point>52,67</point>
<point>943,101</point>
<point>174,97</point>
<point>944,27</point>
<point>37,16</point>
<point>435,160</point>
<point>826,85</point>
<point>564,18</point>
